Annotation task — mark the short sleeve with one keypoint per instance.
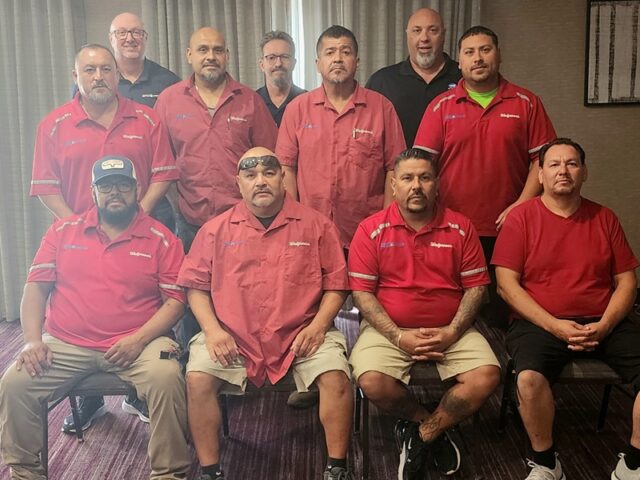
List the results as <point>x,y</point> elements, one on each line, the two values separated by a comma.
<point>197,267</point>
<point>363,262</point>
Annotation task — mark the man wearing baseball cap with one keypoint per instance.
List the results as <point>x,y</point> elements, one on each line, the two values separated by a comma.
<point>109,279</point>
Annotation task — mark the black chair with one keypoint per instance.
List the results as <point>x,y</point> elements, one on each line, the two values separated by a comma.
<point>96,384</point>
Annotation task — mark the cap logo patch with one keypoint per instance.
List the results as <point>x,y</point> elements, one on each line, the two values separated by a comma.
<point>111,164</point>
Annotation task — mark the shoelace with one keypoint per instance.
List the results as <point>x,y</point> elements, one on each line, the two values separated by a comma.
<point>539,472</point>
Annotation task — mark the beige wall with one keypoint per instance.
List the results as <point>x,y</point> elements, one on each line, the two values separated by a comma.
<point>543,49</point>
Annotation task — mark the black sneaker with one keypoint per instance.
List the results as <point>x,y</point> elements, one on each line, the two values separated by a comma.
<point>412,454</point>
<point>446,455</point>
<point>134,406</point>
<point>89,408</point>
<point>398,432</point>
<point>337,473</point>
<point>219,476</point>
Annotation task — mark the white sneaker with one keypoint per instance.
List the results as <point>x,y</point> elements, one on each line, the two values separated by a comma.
<point>538,472</point>
<point>622,472</point>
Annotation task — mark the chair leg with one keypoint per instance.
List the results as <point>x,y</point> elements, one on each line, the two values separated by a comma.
<point>604,406</point>
<point>44,453</point>
<point>365,436</point>
<point>357,407</point>
<point>506,395</point>
<point>76,418</point>
<point>224,409</point>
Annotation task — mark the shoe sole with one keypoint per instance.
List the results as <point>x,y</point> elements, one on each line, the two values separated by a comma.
<point>98,413</point>
<point>402,464</point>
<point>131,410</point>
<point>458,458</point>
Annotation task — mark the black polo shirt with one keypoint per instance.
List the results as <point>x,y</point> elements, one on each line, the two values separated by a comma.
<point>276,112</point>
<point>153,80</point>
<point>409,93</point>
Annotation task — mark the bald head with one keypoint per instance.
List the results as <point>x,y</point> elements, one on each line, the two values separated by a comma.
<point>261,182</point>
<point>128,38</point>
<point>208,56</point>
<point>257,152</point>
<point>425,39</point>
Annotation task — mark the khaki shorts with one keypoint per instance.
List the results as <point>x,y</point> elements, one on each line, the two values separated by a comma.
<point>332,355</point>
<point>373,351</point>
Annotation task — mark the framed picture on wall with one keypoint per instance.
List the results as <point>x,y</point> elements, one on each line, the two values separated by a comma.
<point>612,66</point>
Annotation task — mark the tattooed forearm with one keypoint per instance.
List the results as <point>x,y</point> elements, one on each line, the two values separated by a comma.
<point>377,317</point>
<point>468,309</point>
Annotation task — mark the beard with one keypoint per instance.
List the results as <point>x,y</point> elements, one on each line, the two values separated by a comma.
<point>425,60</point>
<point>212,77</point>
<point>281,81</point>
<point>119,218</point>
<point>100,98</point>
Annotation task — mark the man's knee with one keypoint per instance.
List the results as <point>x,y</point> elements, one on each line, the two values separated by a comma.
<point>484,379</point>
<point>15,382</point>
<point>374,383</point>
<point>165,376</point>
<point>530,384</point>
<point>202,386</point>
<point>335,381</point>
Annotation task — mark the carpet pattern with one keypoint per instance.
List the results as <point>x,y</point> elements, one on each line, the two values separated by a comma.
<point>270,440</point>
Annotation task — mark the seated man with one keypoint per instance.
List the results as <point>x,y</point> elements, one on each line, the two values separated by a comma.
<point>565,268</point>
<point>418,277</point>
<point>265,281</point>
<point>104,285</point>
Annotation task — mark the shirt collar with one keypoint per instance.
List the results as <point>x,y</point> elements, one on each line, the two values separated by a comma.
<point>242,214</point>
<point>505,90</point>
<point>396,219</point>
<point>126,108</point>
<point>319,97</point>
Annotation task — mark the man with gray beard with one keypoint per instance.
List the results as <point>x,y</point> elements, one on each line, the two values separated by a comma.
<point>425,74</point>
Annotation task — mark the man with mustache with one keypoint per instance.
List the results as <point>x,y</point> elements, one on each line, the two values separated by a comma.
<point>418,277</point>
<point>277,63</point>
<point>566,269</point>
<point>425,74</point>
<point>96,122</point>
<point>486,134</point>
<point>337,142</point>
<point>103,287</point>
<point>265,281</point>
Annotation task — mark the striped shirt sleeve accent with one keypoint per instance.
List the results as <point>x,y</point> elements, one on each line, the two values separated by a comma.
<point>475,271</point>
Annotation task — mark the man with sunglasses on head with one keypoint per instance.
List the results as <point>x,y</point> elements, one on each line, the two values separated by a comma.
<point>265,281</point>
<point>103,287</point>
<point>277,63</point>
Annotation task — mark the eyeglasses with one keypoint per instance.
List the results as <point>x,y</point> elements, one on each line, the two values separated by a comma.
<point>136,33</point>
<point>267,161</point>
<point>284,58</point>
<point>122,187</point>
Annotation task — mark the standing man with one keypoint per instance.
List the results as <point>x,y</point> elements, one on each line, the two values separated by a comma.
<point>287,260</point>
<point>277,63</point>
<point>418,278</point>
<point>566,269</point>
<point>212,121</point>
<point>337,143</point>
<point>141,79</point>
<point>486,134</point>
<point>96,122</point>
<point>103,286</point>
<point>425,74</point>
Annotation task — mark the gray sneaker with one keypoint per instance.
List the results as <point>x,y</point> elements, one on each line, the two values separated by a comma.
<point>539,472</point>
<point>622,472</point>
<point>338,473</point>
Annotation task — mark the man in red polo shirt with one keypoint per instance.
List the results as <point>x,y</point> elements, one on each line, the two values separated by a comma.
<point>95,123</point>
<point>212,121</point>
<point>265,281</point>
<point>103,283</point>
<point>486,134</point>
<point>337,142</point>
<point>418,278</point>
<point>565,268</point>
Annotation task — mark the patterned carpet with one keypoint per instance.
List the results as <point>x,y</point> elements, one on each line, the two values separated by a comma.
<point>270,440</point>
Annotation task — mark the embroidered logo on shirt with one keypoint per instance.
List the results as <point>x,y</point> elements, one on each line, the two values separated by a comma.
<point>149,95</point>
<point>133,137</point>
<point>139,254</point>
<point>509,115</point>
<point>440,245</point>
<point>234,243</point>
<point>361,131</point>
<point>454,116</point>
<point>299,244</point>
<point>233,118</point>
<point>309,125</point>
<point>455,226</point>
<point>450,86</point>
<point>68,143</point>
<point>70,246</point>
<point>391,244</point>
<point>183,116</point>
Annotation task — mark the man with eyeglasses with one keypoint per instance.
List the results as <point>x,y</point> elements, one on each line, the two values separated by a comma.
<point>277,63</point>
<point>265,281</point>
<point>103,287</point>
<point>141,79</point>
<point>97,122</point>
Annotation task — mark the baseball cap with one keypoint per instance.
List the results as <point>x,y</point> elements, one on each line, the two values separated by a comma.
<point>112,165</point>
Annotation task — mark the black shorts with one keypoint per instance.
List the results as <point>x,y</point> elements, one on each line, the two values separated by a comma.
<point>533,348</point>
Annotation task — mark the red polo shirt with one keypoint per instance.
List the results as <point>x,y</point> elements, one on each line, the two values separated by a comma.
<point>266,284</point>
<point>567,265</point>
<point>68,143</point>
<point>418,277</point>
<point>105,290</point>
<point>341,158</point>
<point>208,147</point>
<point>485,154</point>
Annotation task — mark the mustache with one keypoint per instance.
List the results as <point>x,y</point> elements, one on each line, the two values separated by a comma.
<point>99,84</point>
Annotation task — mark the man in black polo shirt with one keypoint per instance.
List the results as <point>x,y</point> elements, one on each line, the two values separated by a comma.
<point>141,80</point>
<point>277,63</point>
<point>425,74</point>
